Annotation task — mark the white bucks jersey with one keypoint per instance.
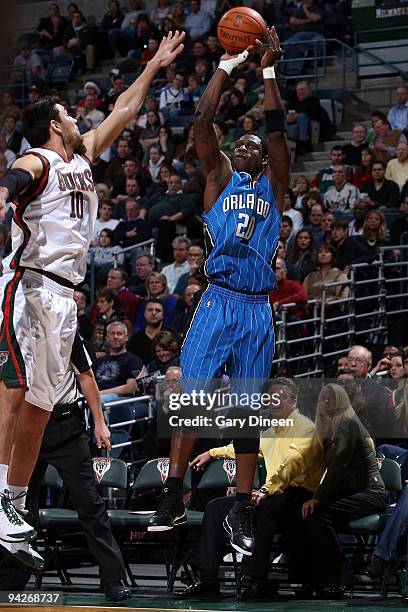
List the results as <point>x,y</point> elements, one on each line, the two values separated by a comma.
<point>53,221</point>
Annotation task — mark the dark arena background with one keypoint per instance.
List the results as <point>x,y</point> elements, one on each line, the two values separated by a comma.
<point>340,303</point>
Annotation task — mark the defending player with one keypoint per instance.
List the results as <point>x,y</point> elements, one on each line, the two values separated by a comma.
<point>55,210</point>
<point>233,325</point>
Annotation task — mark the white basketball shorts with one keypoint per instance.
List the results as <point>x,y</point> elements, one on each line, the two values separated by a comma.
<point>37,330</point>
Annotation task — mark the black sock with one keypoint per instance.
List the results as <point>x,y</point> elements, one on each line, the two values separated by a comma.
<point>243,497</point>
<point>174,483</point>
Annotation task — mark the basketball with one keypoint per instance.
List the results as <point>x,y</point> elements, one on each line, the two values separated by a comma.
<point>239,28</point>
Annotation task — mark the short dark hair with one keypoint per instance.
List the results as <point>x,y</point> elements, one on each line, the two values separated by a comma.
<point>287,219</point>
<point>383,164</point>
<point>340,223</point>
<point>37,119</point>
<point>153,301</point>
<point>336,148</point>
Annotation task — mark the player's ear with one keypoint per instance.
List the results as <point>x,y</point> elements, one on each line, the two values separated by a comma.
<point>265,161</point>
<point>55,126</point>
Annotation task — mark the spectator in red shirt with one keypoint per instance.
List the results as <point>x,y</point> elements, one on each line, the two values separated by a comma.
<point>287,291</point>
<point>128,301</point>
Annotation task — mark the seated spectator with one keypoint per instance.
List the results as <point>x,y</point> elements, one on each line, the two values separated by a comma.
<point>348,250</point>
<point>308,34</point>
<point>372,134</point>
<point>289,211</point>
<point>327,226</point>
<point>186,151</point>
<point>400,225</point>
<point>91,88</point>
<point>8,107</point>
<point>118,87</point>
<point>121,39</point>
<point>116,164</point>
<point>156,190</point>
<point>156,159</point>
<point>88,116</point>
<point>128,301</point>
<point>174,271</point>
<point>153,44</point>
<point>178,14</point>
<point>195,183</point>
<point>301,252</point>
<point>351,488</point>
<point>104,220</point>
<point>374,234</point>
<point>156,288</point>
<point>51,29</point>
<point>166,351</point>
<point>352,151</point>
<point>109,311</point>
<point>133,229</point>
<point>104,255</point>
<point>116,372</point>
<point>284,492</point>
<point>324,178</point>
<point>341,196</point>
<point>175,97</point>
<point>386,141</point>
<point>302,101</point>
<point>249,126</point>
<point>312,198</point>
<point>235,108</point>
<point>285,231</point>
<point>362,173</point>
<point>28,66</point>
<point>326,273</point>
<point>144,266</point>
<point>315,226</point>
<point>398,114</point>
<point>379,191</point>
<point>292,273</point>
<point>166,143</point>
<point>174,207</point>
<point>182,319</point>
<point>397,169</point>
<point>160,11</point>
<point>141,342</point>
<point>149,104</point>
<point>79,39</point>
<point>83,322</point>
<point>355,227</point>
<point>12,136</point>
<point>112,19</point>
<point>131,170</point>
<point>150,134</point>
<point>287,291</point>
<point>301,188</point>
<point>195,258</point>
<point>225,141</point>
<point>198,22</point>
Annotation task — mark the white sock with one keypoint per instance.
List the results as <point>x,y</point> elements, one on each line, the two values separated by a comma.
<point>3,476</point>
<point>19,503</point>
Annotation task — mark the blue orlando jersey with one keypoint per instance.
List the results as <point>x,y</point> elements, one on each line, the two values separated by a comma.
<point>242,232</point>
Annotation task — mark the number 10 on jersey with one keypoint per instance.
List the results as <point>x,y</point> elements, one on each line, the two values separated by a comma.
<point>77,205</point>
<point>246,228</point>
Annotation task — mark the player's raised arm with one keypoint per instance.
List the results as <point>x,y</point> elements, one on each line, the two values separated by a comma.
<point>279,165</point>
<point>216,166</point>
<point>129,102</point>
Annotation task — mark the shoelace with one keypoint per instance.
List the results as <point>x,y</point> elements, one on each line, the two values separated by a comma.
<point>245,516</point>
<point>9,509</point>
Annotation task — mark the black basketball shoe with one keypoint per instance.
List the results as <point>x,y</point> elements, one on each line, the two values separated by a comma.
<point>239,525</point>
<point>170,513</point>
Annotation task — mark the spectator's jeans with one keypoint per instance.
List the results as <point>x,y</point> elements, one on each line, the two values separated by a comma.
<point>119,40</point>
<point>390,451</point>
<point>300,129</point>
<point>293,52</point>
<point>395,528</point>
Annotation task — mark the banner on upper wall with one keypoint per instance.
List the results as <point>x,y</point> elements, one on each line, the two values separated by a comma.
<point>370,15</point>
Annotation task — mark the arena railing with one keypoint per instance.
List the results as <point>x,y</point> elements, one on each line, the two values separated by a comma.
<point>147,245</point>
<point>107,408</point>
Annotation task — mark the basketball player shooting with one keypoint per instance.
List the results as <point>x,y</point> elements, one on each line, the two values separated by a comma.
<point>232,328</point>
<point>55,208</point>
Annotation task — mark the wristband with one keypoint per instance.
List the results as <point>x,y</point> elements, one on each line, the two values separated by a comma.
<point>229,64</point>
<point>269,73</point>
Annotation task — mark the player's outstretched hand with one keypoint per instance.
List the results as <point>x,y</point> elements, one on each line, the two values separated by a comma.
<point>4,194</point>
<point>169,49</point>
<point>273,50</point>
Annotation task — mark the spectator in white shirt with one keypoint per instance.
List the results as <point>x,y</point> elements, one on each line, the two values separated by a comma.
<point>88,116</point>
<point>173,271</point>
<point>173,96</point>
<point>104,220</point>
<point>398,114</point>
<point>289,211</point>
<point>397,169</point>
<point>342,196</point>
<point>29,66</point>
